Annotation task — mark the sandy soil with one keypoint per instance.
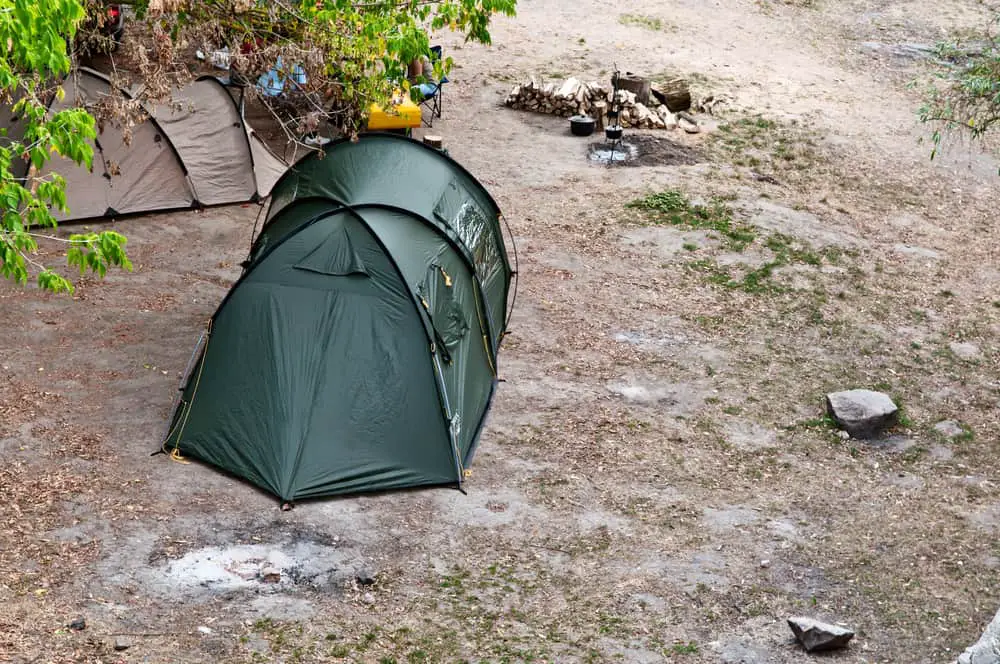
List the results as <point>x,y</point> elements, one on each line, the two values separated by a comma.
<point>656,482</point>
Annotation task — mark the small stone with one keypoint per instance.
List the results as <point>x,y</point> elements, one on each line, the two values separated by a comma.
<point>270,575</point>
<point>964,350</point>
<point>765,563</point>
<point>79,624</point>
<point>122,643</point>
<point>843,435</point>
<point>816,636</point>
<point>365,577</point>
<point>918,252</point>
<point>739,652</point>
<point>688,126</point>
<point>204,630</point>
<point>368,598</point>
<point>949,428</point>
<point>862,413</point>
<point>941,453</point>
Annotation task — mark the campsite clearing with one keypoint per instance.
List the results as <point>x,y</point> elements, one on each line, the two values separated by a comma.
<point>660,432</point>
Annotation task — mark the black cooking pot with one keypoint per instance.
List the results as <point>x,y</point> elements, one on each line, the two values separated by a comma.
<point>582,125</point>
<point>613,133</point>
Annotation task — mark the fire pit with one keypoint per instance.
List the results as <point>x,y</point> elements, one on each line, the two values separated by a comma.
<point>642,150</point>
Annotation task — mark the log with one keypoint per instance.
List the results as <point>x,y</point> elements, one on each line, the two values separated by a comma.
<point>669,119</point>
<point>637,85</point>
<point>568,88</point>
<point>434,141</point>
<point>641,112</point>
<point>673,94</point>
<point>596,90</point>
<point>600,109</point>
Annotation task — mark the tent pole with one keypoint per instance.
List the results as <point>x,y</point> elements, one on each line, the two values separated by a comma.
<point>449,418</point>
<point>514,273</point>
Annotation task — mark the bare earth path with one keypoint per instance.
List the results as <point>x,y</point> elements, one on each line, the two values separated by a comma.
<point>656,482</point>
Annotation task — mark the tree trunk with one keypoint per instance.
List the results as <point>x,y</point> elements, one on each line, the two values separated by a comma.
<point>637,85</point>
<point>674,94</point>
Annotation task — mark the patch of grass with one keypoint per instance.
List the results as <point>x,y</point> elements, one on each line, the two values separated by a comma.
<point>648,22</point>
<point>787,250</point>
<point>822,422</point>
<point>340,651</point>
<point>673,207</point>
<point>780,150</point>
<point>757,281</point>
<point>967,435</point>
<point>611,625</point>
<point>689,648</point>
<point>913,455</point>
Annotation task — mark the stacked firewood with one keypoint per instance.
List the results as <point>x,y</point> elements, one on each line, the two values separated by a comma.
<point>574,97</point>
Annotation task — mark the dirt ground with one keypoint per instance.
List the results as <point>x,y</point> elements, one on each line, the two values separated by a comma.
<point>657,482</point>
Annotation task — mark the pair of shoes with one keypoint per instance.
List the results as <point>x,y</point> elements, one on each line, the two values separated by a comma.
<point>314,141</point>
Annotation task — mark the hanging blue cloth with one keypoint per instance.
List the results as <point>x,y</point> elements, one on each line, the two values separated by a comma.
<point>272,83</point>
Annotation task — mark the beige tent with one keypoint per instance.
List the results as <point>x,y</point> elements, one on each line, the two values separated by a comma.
<point>197,152</point>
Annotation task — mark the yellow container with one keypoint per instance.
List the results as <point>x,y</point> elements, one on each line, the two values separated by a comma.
<point>404,115</point>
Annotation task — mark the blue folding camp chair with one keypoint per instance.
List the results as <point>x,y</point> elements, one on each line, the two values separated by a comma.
<point>430,92</point>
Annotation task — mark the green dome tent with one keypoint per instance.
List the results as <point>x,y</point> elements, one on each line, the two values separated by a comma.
<point>357,352</point>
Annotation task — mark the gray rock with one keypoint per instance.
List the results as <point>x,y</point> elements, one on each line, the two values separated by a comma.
<point>964,350</point>
<point>862,413</point>
<point>368,598</point>
<point>78,624</point>
<point>122,643</point>
<point>365,577</point>
<point>987,649</point>
<point>816,636</point>
<point>738,652</point>
<point>688,126</point>
<point>941,453</point>
<point>903,51</point>
<point>917,252</point>
<point>949,429</point>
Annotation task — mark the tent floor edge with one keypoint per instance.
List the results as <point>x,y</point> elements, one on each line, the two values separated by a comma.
<point>467,461</point>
